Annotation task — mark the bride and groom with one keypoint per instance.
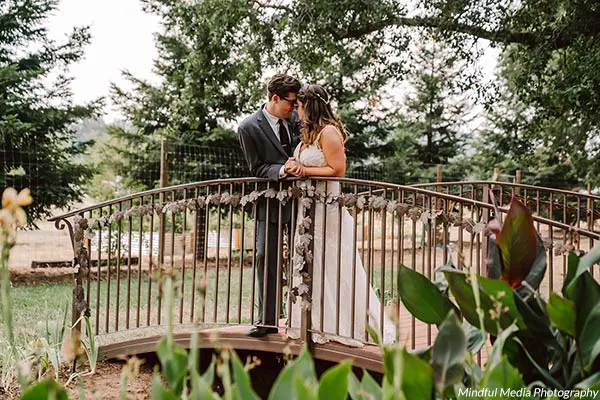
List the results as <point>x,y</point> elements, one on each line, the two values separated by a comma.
<point>276,144</point>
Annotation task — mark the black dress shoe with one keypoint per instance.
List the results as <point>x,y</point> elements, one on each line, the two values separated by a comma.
<point>260,331</point>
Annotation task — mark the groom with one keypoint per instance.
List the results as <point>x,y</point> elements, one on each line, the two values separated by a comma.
<point>268,138</point>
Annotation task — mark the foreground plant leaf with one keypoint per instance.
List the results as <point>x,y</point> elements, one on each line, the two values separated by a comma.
<point>516,241</point>
<point>46,389</point>
<point>421,297</point>
<point>448,353</point>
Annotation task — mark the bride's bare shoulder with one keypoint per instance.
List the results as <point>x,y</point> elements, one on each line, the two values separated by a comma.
<point>330,132</point>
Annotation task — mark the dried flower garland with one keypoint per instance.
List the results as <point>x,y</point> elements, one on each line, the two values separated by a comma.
<point>307,195</point>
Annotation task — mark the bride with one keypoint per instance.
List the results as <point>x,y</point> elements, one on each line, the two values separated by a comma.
<point>321,152</point>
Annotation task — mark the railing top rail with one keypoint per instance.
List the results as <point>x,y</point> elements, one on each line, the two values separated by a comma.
<point>509,184</point>
<point>378,185</point>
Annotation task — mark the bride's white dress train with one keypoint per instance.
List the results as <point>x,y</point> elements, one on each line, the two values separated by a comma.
<point>351,330</point>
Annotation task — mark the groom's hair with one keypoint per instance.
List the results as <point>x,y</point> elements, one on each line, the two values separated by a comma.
<point>282,85</point>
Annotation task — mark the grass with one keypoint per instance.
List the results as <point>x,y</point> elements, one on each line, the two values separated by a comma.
<point>33,305</point>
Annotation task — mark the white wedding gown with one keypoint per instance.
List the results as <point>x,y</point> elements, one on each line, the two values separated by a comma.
<point>312,156</point>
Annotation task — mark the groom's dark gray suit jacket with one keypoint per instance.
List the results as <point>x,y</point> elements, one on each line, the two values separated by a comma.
<point>266,156</point>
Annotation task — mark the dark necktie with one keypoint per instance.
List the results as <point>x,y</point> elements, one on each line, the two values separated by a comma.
<point>284,139</point>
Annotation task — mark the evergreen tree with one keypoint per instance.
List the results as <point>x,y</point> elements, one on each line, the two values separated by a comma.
<point>210,65</point>
<point>37,135</point>
<point>435,114</point>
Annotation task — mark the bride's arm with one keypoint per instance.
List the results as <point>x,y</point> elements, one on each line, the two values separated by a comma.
<point>333,149</point>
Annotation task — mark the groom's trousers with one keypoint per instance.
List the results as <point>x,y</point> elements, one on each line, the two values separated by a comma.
<point>269,249</point>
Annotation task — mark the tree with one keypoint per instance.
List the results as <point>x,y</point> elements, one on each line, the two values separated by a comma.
<point>555,42</point>
<point>210,65</point>
<point>37,137</point>
<point>550,150</point>
<point>435,114</point>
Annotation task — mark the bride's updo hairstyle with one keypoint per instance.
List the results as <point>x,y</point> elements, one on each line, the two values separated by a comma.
<point>317,113</point>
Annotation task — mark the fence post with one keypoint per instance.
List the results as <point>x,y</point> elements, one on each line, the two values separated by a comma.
<point>518,181</point>
<point>164,182</point>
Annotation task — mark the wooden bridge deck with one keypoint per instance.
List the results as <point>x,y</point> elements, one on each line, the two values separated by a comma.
<point>368,356</point>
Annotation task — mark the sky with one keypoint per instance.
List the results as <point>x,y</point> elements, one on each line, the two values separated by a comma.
<point>122,39</point>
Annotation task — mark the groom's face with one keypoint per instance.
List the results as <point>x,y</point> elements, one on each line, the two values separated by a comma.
<point>284,105</point>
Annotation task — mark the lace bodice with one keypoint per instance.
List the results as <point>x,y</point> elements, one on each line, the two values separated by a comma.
<point>311,156</point>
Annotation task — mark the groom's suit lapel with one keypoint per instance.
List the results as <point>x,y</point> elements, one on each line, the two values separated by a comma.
<point>267,131</point>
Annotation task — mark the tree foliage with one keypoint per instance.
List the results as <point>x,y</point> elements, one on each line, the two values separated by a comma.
<point>435,111</point>
<point>553,46</point>
<point>210,69</point>
<point>37,139</point>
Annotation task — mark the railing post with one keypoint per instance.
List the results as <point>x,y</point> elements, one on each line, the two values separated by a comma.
<point>589,215</point>
<point>164,178</point>
<point>518,181</point>
<point>306,316</point>
<point>438,188</point>
<point>485,217</point>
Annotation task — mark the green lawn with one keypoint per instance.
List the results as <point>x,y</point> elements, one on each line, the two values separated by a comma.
<point>33,306</point>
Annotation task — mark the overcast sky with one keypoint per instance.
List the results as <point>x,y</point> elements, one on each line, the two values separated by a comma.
<point>122,38</point>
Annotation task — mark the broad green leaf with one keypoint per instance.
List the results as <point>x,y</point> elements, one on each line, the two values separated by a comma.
<point>46,389</point>
<point>421,297</point>
<point>589,340</point>
<point>572,262</point>
<point>370,389</point>
<point>303,390</point>
<point>334,382</point>
<point>301,368</point>
<point>424,353</point>
<point>516,241</point>
<point>159,392</point>
<point>242,378</point>
<point>373,334</point>
<point>392,365</point>
<point>541,369</point>
<point>475,337</point>
<point>501,290</point>
<point>592,382</point>
<point>502,376</point>
<point>209,374</point>
<point>586,296</point>
<point>587,261</point>
<point>417,377</point>
<point>463,294</point>
<point>494,259</point>
<point>498,349</point>
<point>174,362</point>
<point>354,387</point>
<point>533,310</point>
<point>448,353</point>
<point>562,314</point>
<point>538,269</point>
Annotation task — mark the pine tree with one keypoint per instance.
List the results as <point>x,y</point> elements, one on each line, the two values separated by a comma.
<point>210,65</point>
<point>37,138</point>
<point>434,117</point>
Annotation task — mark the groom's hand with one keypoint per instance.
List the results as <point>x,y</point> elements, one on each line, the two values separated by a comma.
<point>293,167</point>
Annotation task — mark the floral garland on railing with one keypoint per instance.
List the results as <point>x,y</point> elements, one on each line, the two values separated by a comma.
<point>307,195</point>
